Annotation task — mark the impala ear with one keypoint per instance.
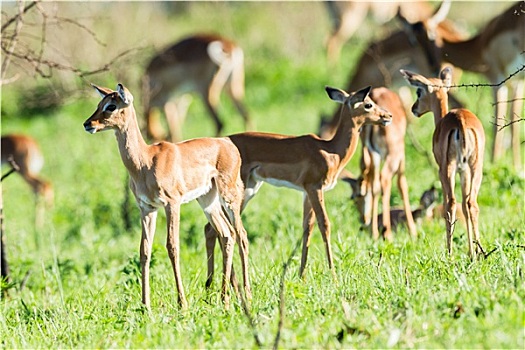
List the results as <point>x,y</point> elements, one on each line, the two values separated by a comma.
<point>416,80</point>
<point>446,77</point>
<point>124,94</point>
<point>359,97</point>
<point>336,95</point>
<point>103,92</point>
<point>354,186</point>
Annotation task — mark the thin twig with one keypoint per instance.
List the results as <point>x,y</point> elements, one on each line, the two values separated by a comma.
<point>248,315</point>
<point>478,85</point>
<point>281,296</point>
<point>17,16</point>
<point>485,255</point>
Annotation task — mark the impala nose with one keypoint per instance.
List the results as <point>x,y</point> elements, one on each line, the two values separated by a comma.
<point>89,128</point>
<point>387,118</point>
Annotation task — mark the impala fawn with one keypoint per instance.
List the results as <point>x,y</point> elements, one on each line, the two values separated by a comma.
<point>167,175</point>
<point>305,163</point>
<point>458,145</point>
<point>383,157</point>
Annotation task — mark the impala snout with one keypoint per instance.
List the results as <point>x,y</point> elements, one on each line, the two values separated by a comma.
<point>90,125</point>
<point>386,118</point>
<point>415,111</point>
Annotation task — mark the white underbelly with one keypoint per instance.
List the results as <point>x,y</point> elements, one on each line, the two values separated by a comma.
<point>196,193</point>
<point>278,182</point>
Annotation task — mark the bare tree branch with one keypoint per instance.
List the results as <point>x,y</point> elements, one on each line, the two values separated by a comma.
<point>18,16</point>
<point>506,124</point>
<point>19,46</point>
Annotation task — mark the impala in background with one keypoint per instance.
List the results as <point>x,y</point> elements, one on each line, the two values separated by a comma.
<point>380,62</point>
<point>25,152</point>
<point>347,17</point>
<point>203,63</point>
<point>383,157</point>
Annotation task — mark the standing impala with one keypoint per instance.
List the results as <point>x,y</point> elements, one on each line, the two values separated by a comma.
<point>458,145</point>
<point>305,163</point>
<point>201,63</point>
<point>497,51</point>
<point>168,175</point>
<point>24,151</point>
<point>387,146</point>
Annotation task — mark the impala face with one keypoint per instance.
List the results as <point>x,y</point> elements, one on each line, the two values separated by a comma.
<point>110,111</point>
<point>359,104</point>
<point>427,88</point>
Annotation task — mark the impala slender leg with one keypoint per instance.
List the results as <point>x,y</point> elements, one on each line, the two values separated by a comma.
<point>316,197</point>
<point>466,189</point>
<point>211,240</point>
<point>242,241</point>
<point>218,219</point>
<point>211,94</point>
<point>376,191</point>
<point>386,186</point>
<point>308,226</point>
<point>473,202</point>
<point>225,232</point>
<point>449,202</point>
<point>173,247</point>
<point>148,221</point>
<point>403,188</point>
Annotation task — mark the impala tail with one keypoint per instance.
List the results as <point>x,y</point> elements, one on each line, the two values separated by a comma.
<point>463,152</point>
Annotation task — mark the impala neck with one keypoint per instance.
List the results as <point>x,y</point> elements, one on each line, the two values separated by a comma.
<point>440,105</point>
<point>131,144</point>
<point>345,140</point>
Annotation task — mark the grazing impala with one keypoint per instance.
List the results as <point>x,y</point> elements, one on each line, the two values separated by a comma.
<point>168,175</point>
<point>458,145</point>
<point>425,210</point>
<point>24,151</point>
<point>201,63</point>
<point>387,146</point>
<point>305,163</point>
<point>497,51</point>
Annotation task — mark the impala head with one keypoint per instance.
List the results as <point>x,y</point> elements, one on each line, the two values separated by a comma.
<point>362,198</point>
<point>360,107</point>
<point>429,90</point>
<point>112,110</point>
<point>429,198</point>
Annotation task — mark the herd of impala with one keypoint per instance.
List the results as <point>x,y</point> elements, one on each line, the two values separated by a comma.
<point>224,173</point>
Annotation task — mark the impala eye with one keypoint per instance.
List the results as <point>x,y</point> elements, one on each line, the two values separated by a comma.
<point>110,108</point>
<point>368,105</point>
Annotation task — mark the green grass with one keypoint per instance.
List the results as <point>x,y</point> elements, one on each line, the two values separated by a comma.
<point>83,288</point>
